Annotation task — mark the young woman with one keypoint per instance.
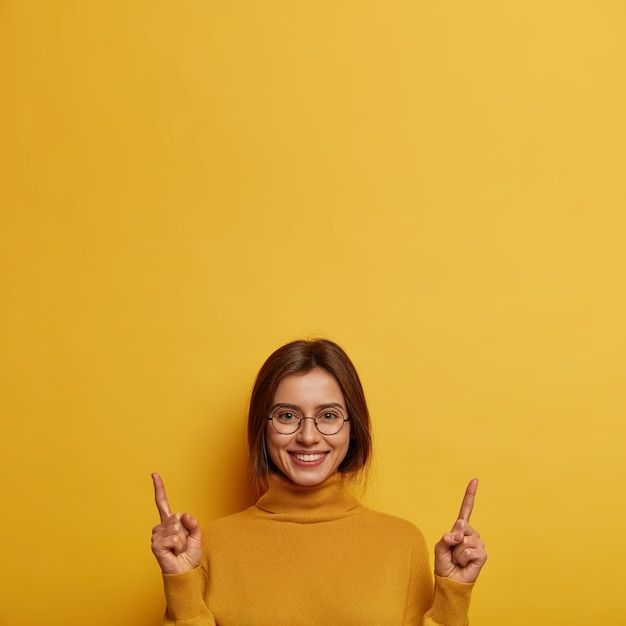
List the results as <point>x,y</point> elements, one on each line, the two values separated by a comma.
<point>308,552</point>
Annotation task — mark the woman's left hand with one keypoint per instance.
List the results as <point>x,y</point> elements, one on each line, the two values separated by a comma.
<point>460,554</point>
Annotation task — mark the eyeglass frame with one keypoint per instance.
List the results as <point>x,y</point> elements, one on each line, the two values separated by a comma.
<point>307,417</point>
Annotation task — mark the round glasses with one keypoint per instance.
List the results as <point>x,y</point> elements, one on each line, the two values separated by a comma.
<point>286,421</point>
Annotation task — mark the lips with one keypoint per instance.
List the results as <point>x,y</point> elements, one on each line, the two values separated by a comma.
<point>307,459</point>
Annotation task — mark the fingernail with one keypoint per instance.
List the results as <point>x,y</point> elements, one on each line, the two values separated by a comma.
<point>457,537</point>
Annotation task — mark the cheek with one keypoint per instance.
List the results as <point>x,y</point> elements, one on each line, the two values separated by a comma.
<point>274,444</point>
<point>270,444</point>
<point>344,446</point>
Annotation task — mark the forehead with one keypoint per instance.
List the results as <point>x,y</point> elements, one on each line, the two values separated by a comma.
<point>309,389</point>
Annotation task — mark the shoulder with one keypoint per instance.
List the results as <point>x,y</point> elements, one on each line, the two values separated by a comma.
<point>228,525</point>
<point>229,521</point>
<point>402,530</point>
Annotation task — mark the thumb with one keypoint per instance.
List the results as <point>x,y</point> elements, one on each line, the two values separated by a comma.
<point>442,547</point>
<point>191,524</point>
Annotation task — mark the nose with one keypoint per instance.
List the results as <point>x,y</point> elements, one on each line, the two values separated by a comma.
<point>307,433</point>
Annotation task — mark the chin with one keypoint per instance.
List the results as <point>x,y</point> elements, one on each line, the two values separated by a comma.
<point>307,477</point>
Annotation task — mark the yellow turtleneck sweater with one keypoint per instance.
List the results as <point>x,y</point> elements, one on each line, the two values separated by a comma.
<point>313,555</point>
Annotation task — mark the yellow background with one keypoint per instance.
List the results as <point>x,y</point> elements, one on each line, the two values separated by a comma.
<point>437,186</point>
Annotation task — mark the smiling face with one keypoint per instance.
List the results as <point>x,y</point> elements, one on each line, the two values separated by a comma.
<point>307,457</point>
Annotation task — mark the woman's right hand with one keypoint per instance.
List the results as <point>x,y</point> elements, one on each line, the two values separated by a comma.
<point>177,540</point>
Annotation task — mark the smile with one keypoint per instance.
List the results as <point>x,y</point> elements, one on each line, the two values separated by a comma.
<point>308,459</point>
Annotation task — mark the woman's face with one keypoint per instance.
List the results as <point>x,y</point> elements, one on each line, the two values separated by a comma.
<point>307,457</point>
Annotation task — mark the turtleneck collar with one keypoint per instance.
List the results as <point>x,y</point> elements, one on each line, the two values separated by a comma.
<point>287,501</point>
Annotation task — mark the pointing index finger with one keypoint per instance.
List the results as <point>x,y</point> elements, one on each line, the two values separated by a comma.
<point>160,497</point>
<point>468,500</point>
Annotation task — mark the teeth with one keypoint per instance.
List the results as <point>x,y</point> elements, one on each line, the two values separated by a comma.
<point>309,457</point>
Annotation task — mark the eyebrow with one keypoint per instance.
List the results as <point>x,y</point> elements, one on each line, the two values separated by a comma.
<point>328,405</point>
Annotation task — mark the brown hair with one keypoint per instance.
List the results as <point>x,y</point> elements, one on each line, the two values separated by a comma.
<point>300,357</point>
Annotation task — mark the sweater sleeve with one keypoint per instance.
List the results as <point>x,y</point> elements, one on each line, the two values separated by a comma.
<point>451,602</point>
<point>446,605</point>
<point>185,597</point>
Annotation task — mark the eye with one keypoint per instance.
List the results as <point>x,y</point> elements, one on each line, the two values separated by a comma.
<point>287,417</point>
<point>329,416</point>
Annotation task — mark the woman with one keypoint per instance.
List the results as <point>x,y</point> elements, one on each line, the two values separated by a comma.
<point>308,552</point>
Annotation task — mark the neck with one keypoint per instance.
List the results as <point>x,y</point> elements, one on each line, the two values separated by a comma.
<point>289,501</point>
